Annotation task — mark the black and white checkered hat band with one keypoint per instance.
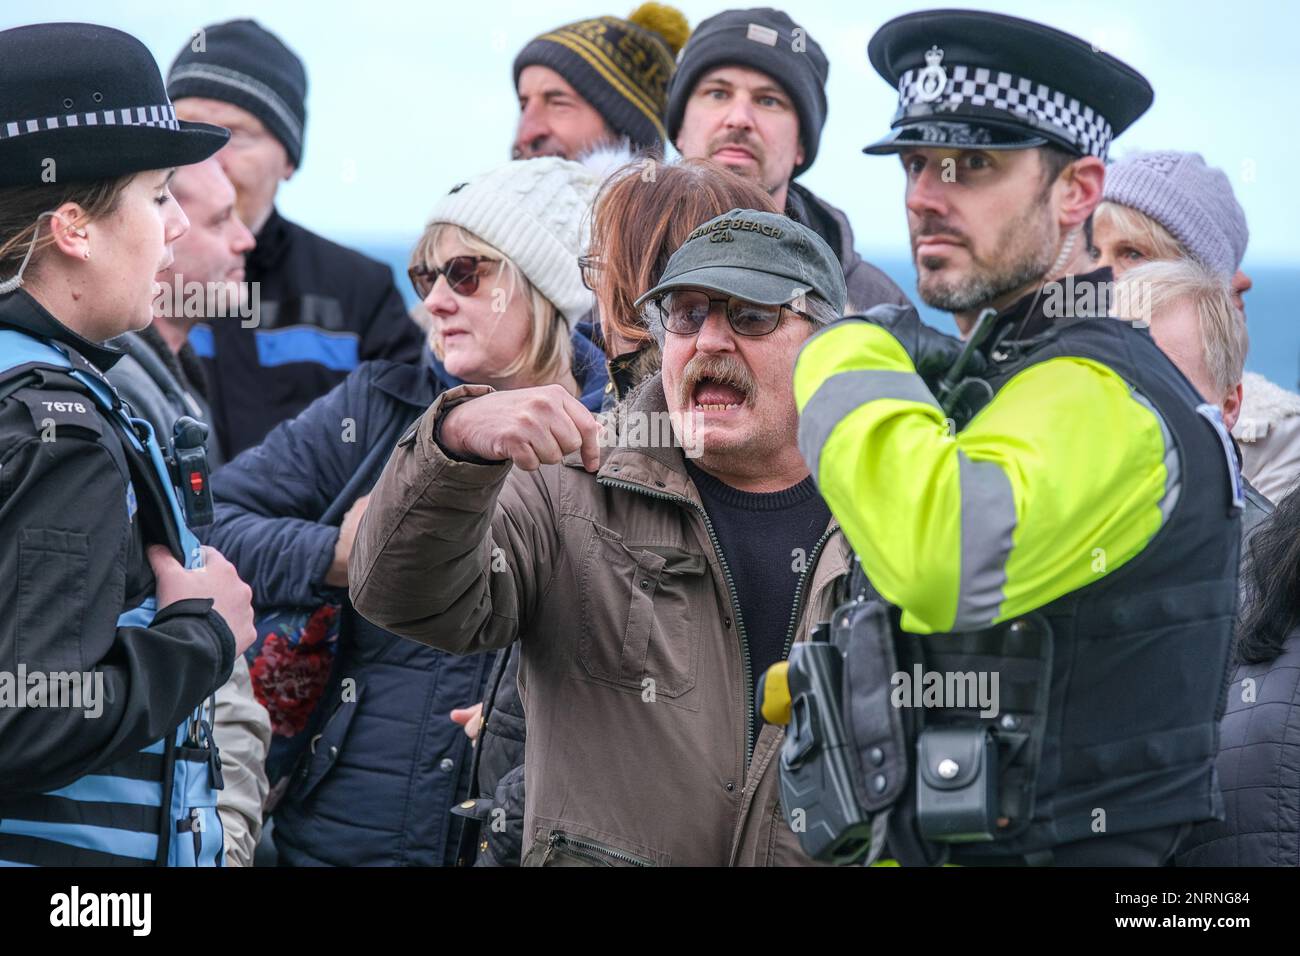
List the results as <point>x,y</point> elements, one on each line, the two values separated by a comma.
<point>163,116</point>
<point>1022,98</point>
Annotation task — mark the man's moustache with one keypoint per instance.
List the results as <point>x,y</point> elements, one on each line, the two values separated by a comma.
<point>732,375</point>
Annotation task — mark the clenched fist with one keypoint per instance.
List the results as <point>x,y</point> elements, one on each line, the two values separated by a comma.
<point>529,426</point>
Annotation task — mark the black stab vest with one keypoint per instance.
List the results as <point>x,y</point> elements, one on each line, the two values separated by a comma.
<point>1123,736</point>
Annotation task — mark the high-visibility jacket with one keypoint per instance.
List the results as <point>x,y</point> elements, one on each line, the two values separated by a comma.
<point>1091,502</point>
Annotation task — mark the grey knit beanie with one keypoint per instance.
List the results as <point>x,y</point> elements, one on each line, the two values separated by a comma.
<point>766,40</point>
<point>1193,201</point>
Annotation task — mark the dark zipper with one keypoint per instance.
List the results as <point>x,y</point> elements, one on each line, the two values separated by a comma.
<point>799,592</point>
<point>591,851</point>
<point>731,595</point>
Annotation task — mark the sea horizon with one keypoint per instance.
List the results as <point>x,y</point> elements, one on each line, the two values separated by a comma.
<point>1274,335</point>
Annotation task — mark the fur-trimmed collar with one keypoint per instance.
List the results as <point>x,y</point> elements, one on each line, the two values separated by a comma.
<point>1263,405</point>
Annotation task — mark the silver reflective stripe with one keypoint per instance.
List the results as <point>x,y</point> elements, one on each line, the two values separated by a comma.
<point>988,520</point>
<point>241,81</point>
<point>161,115</point>
<point>841,394</point>
<point>1173,466</point>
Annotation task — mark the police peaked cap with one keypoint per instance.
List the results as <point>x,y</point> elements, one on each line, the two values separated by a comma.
<point>973,80</point>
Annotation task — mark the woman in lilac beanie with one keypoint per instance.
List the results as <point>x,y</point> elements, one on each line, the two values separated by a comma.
<point>1168,205</point>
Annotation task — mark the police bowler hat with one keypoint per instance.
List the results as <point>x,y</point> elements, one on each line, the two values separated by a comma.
<point>83,102</point>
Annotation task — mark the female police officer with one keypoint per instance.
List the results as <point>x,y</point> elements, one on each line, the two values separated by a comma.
<point>109,646</point>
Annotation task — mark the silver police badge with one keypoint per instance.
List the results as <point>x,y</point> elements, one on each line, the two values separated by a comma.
<point>930,82</point>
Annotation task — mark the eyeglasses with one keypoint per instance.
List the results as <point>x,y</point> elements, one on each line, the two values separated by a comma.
<point>684,313</point>
<point>589,266</point>
<point>462,274</point>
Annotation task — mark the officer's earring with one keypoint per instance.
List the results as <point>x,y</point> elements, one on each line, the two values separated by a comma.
<point>80,234</point>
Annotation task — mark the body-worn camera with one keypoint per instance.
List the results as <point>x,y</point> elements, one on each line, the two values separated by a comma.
<point>189,463</point>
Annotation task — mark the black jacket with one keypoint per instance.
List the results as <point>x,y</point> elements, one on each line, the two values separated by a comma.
<point>324,309</point>
<point>867,285</point>
<point>76,514</point>
<point>161,387</point>
<point>1258,768</point>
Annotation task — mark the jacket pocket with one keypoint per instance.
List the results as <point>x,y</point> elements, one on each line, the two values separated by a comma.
<point>52,572</point>
<point>641,613</point>
<point>559,848</point>
<point>323,750</point>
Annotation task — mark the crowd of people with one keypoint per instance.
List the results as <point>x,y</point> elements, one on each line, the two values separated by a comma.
<point>514,577</point>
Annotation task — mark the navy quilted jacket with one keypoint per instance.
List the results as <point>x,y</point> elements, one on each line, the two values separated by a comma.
<point>1259,770</point>
<point>387,769</point>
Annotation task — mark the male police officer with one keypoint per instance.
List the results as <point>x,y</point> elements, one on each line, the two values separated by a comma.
<point>1079,535</point>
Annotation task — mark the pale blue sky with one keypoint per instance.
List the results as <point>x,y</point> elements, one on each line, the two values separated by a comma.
<point>406,99</point>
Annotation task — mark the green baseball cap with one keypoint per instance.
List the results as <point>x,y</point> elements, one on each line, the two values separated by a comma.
<point>757,256</point>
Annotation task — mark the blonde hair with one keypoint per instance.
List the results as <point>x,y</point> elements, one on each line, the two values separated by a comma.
<point>549,352</point>
<point>1159,286</point>
<point>1141,228</point>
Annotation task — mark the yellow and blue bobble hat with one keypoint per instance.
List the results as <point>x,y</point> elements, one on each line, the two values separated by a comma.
<point>621,67</point>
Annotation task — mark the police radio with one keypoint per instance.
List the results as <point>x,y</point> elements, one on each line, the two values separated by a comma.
<point>189,467</point>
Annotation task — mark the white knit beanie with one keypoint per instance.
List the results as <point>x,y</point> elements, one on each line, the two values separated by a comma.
<point>538,213</point>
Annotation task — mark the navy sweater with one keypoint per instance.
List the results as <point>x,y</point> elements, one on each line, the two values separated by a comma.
<point>767,541</point>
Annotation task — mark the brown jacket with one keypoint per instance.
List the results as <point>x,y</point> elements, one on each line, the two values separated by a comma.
<point>633,674</point>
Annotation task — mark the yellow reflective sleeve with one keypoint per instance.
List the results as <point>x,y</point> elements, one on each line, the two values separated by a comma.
<point>1066,475</point>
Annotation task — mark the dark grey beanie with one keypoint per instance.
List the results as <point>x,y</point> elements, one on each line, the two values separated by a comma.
<point>244,64</point>
<point>1194,202</point>
<point>762,39</point>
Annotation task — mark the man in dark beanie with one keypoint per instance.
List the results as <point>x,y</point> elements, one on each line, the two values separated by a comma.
<point>750,93</point>
<point>595,82</point>
<point>324,309</point>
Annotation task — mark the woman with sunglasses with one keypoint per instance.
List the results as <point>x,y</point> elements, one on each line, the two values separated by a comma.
<point>384,764</point>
